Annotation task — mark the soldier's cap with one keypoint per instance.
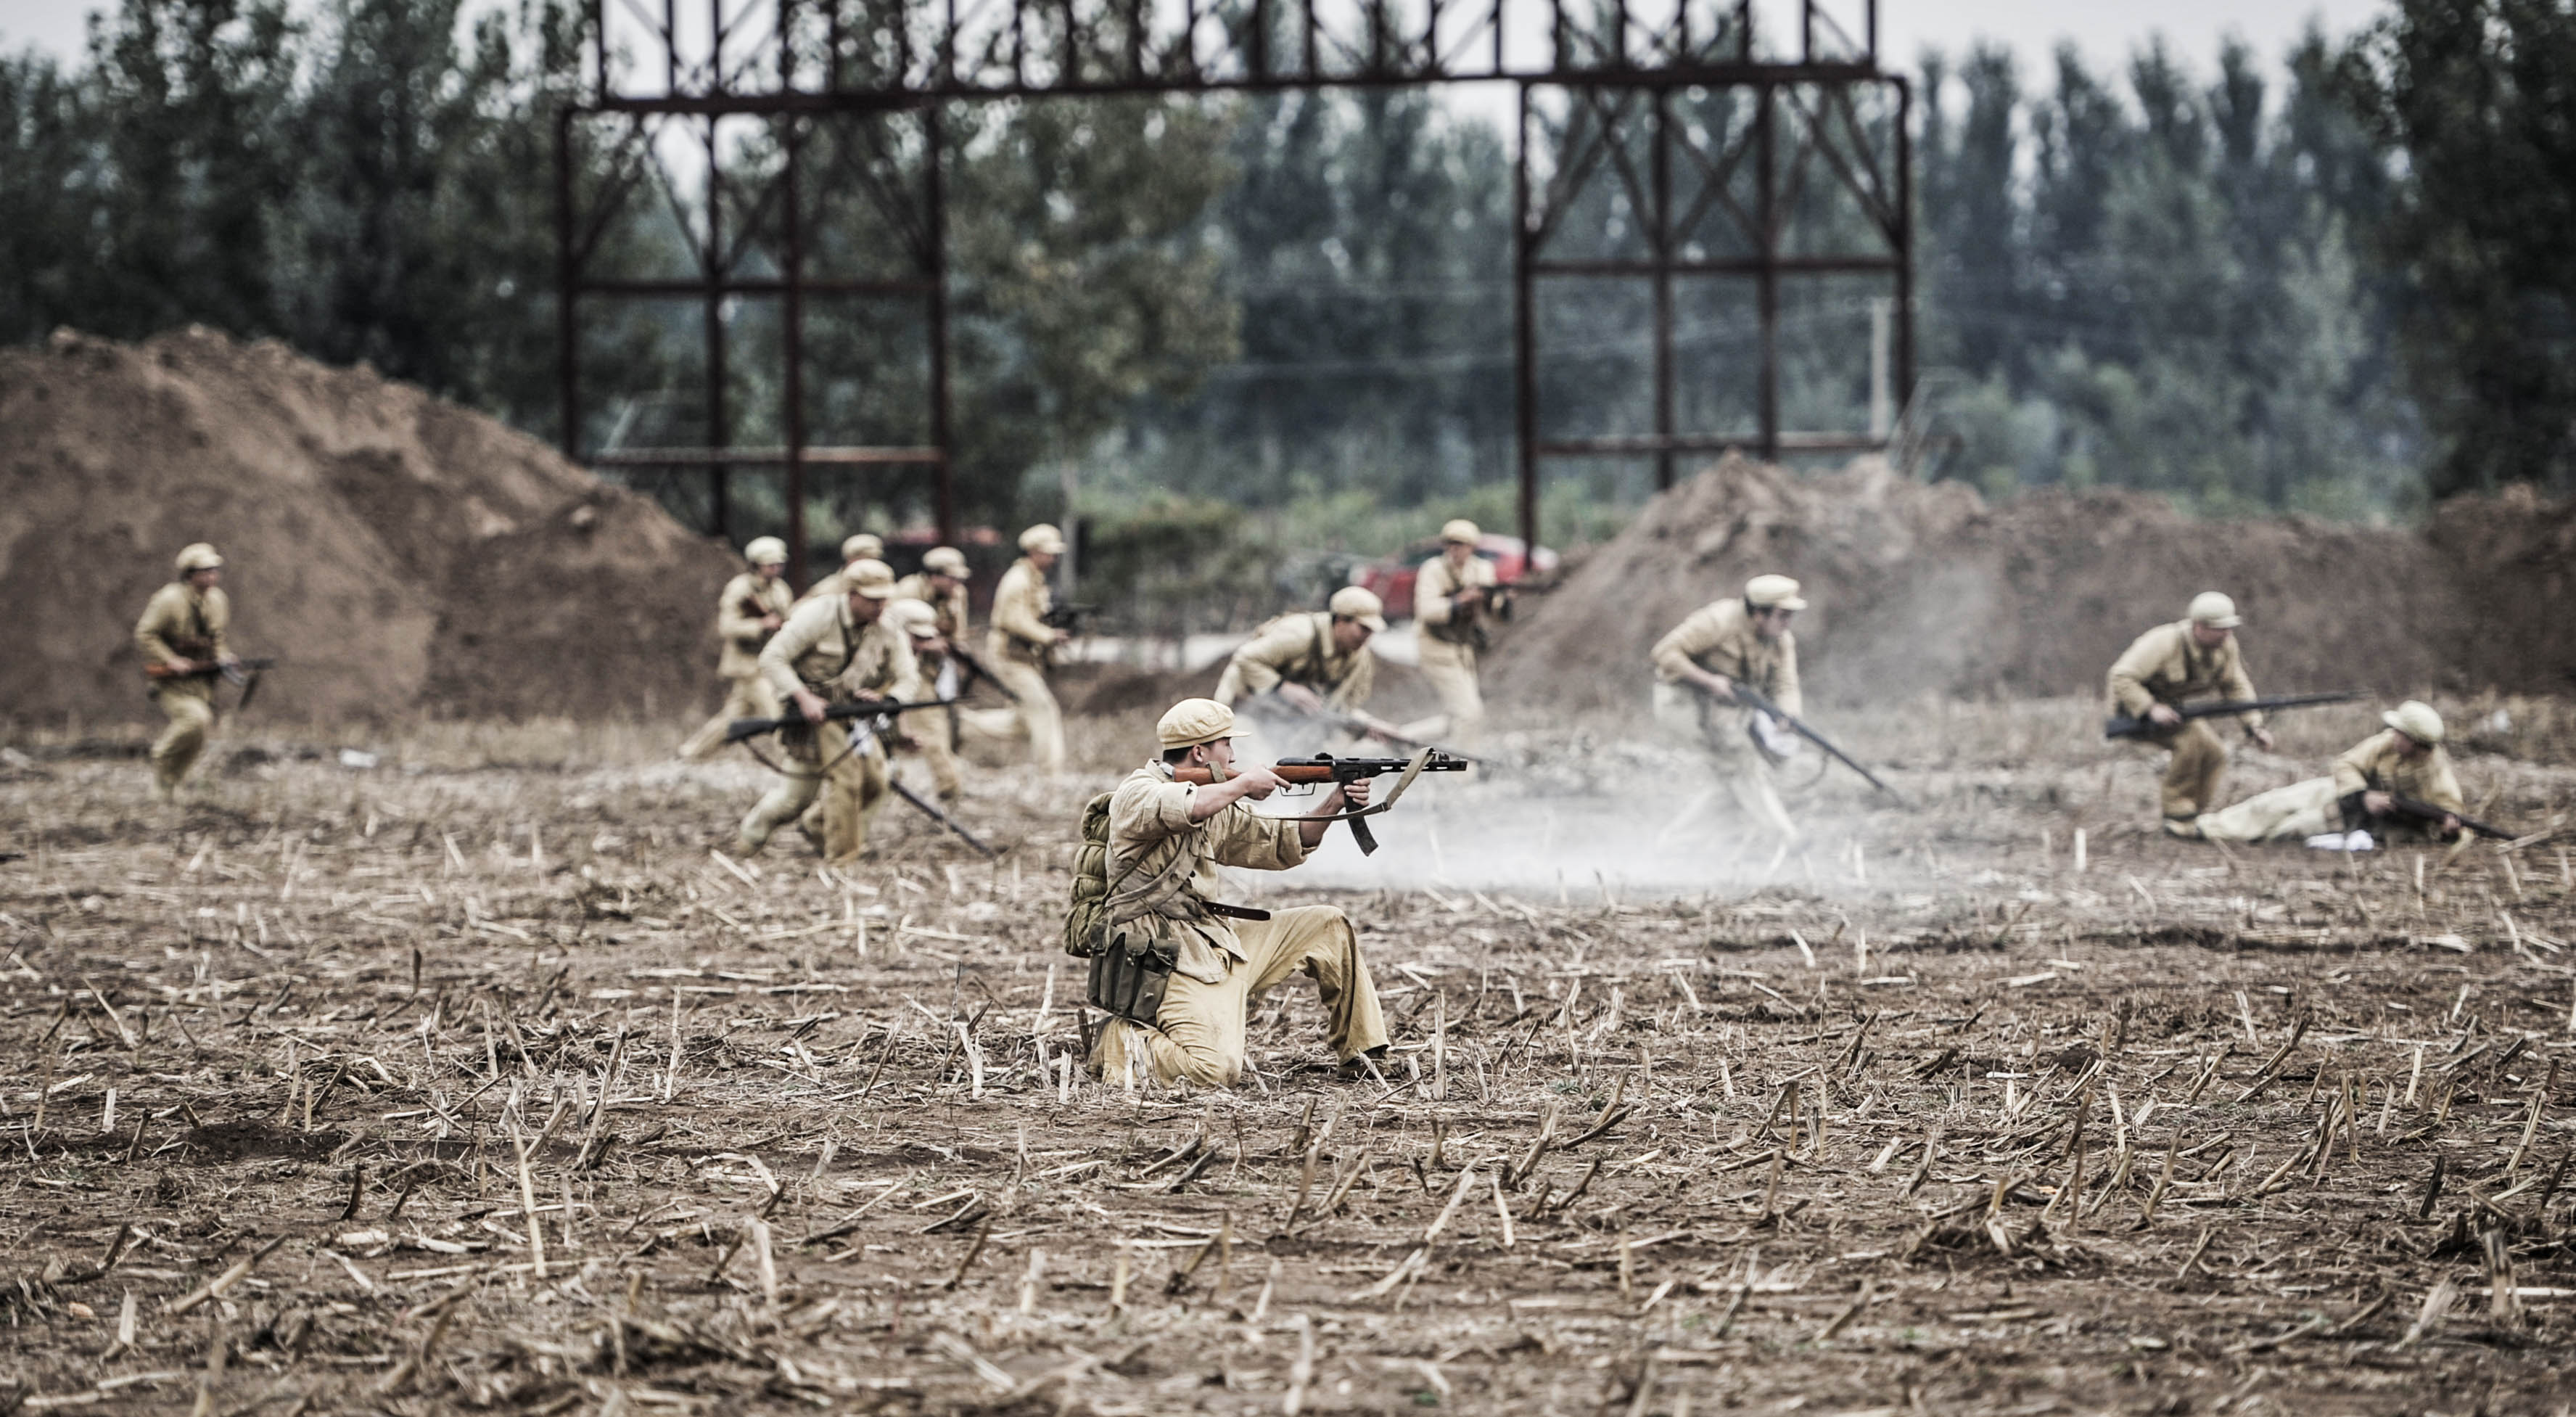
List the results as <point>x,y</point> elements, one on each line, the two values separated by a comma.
<point>945,561</point>
<point>1359,603</point>
<point>199,556</point>
<point>1043,539</point>
<point>2214,609</point>
<point>1459,529</point>
<point>862,547</point>
<point>2416,720</point>
<point>1191,722</point>
<point>913,617</point>
<point>765,551</point>
<point>873,579</point>
<point>1773,593</point>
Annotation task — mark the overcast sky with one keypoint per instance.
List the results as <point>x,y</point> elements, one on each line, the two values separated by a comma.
<point>2034,28</point>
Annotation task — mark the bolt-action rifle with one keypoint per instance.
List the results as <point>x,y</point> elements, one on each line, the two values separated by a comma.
<point>1324,767</point>
<point>880,711</point>
<point>2121,725</point>
<point>1756,700</point>
<point>2415,809</point>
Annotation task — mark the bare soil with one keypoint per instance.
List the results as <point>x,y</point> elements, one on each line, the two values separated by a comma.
<point>1926,1116</point>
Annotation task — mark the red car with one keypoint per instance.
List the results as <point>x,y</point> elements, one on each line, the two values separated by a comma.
<point>1392,578</point>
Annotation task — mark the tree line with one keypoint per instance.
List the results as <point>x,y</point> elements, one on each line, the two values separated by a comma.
<point>2344,289</point>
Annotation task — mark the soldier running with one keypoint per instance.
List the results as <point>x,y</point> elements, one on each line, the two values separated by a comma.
<point>862,547</point>
<point>927,731</point>
<point>181,635</point>
<point>1697,665</point>
<point>2194,657</point>
<point>1315,662</point>
<point>753,606</point>
<point>1021,644</point>
<point>1451,594</point>
<point>1166,840</point>
<point>833,651</point>
<point>2405,759</point>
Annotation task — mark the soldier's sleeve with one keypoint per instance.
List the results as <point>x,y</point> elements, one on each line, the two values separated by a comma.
<point>151,632</point>
<point>2239,684</point>
<point>1146,809</point>
<point>1354,690</point>
<point>1019,604</point>
<point>903,670</point>
<point>2352,770</point>
<point>778,657</point>
<point>2127,681</point>
<point>1254,666</point>
<point>1431,590</point>
<point>1239,836</point>
<point>1672,654</point>
<point>2442,786</point>
<point>731,622</point>
<point>1788,697</point>
<point>219,620</point>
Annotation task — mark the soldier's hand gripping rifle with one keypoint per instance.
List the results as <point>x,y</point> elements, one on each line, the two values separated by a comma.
<point>1324,767</point>
<point>1756,700</point>
<point>242,672</point>
<point>744,729</point>
<point>2415,809</point>
<point>1067,616</point>
<point>2121,725</point>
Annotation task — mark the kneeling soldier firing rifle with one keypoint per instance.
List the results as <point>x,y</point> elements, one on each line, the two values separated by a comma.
<point>1175,967</point>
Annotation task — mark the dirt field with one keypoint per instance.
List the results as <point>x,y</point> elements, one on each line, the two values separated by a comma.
<point>478,1079</point>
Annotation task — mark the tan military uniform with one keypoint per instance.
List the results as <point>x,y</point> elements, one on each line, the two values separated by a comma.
<point>1016,649</point>
<point>2165,666</point>
<point>182,623</point>
<point>1299,649</point>
<point>2312,808</point>
<point>825,650</point>
<point>936,732</point>
<point>1162,868</point>
<point>1447,645</point>
<point>745,600</point>
<point>1719,638</point>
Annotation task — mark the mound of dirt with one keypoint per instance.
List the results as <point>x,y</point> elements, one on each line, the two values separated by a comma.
<point>403,555</point>
<point>1918,588</point>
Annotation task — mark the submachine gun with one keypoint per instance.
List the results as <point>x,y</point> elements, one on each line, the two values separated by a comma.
<point>242,673</point>
<point>1324,767</point>
<point>2121,725</point>
<point>867,721</point>
<point>1761,703</point>
<point>1067,616</point>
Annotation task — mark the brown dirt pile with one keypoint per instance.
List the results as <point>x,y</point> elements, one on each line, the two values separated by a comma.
<point>404,555</point>
<point>1919,588</point>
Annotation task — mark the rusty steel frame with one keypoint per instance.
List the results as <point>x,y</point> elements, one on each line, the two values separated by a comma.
<point>822,60</point>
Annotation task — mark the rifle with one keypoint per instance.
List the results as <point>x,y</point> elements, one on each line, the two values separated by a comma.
<point>2121,725</point>
<point>744,729</point>
<point>936,815</point>
<point>2418,810</point>
<point>975,668</point>
<point>1755,700</point>
<point>244,672</point>
<point>1067,616</point>
<point>1324,767</point>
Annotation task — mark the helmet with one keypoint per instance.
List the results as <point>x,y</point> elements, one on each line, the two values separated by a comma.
<point>945,561</point>
<point>1459,529</point>
<point>765,551</point>
<point>199,556</point>
<point>1359,603</point>
<point>1194,721</point>
<point>1042,539</point>
<point>873,579</point>
<point>2416,720</point>
<point>1773,593</point>
<point>2215,610</point>
<point>862,547</point>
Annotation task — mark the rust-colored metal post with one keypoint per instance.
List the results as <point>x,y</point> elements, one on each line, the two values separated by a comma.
<point>567,290</point>
<point>1665,246</point>
<point>1524,330</point>
<point>711,270</point>
<point>1903,239</point>
<point>1766,217</point>
<point>935,266</point>
<point>792,335</point>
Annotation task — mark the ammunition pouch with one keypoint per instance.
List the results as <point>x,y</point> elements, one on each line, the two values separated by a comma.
<point>1129,976</point>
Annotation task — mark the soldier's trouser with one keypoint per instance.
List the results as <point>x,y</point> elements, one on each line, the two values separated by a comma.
<point>2293,813</point>
<point>1725,745</point>
<point>1039,718</point>
<point>191,716</point>
<point>1198,1034</point>
<point>851,790</point>
<point>1451,671</point>
<point>750,697</point>
<point>933,729</point>
<point>2192,777</point>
